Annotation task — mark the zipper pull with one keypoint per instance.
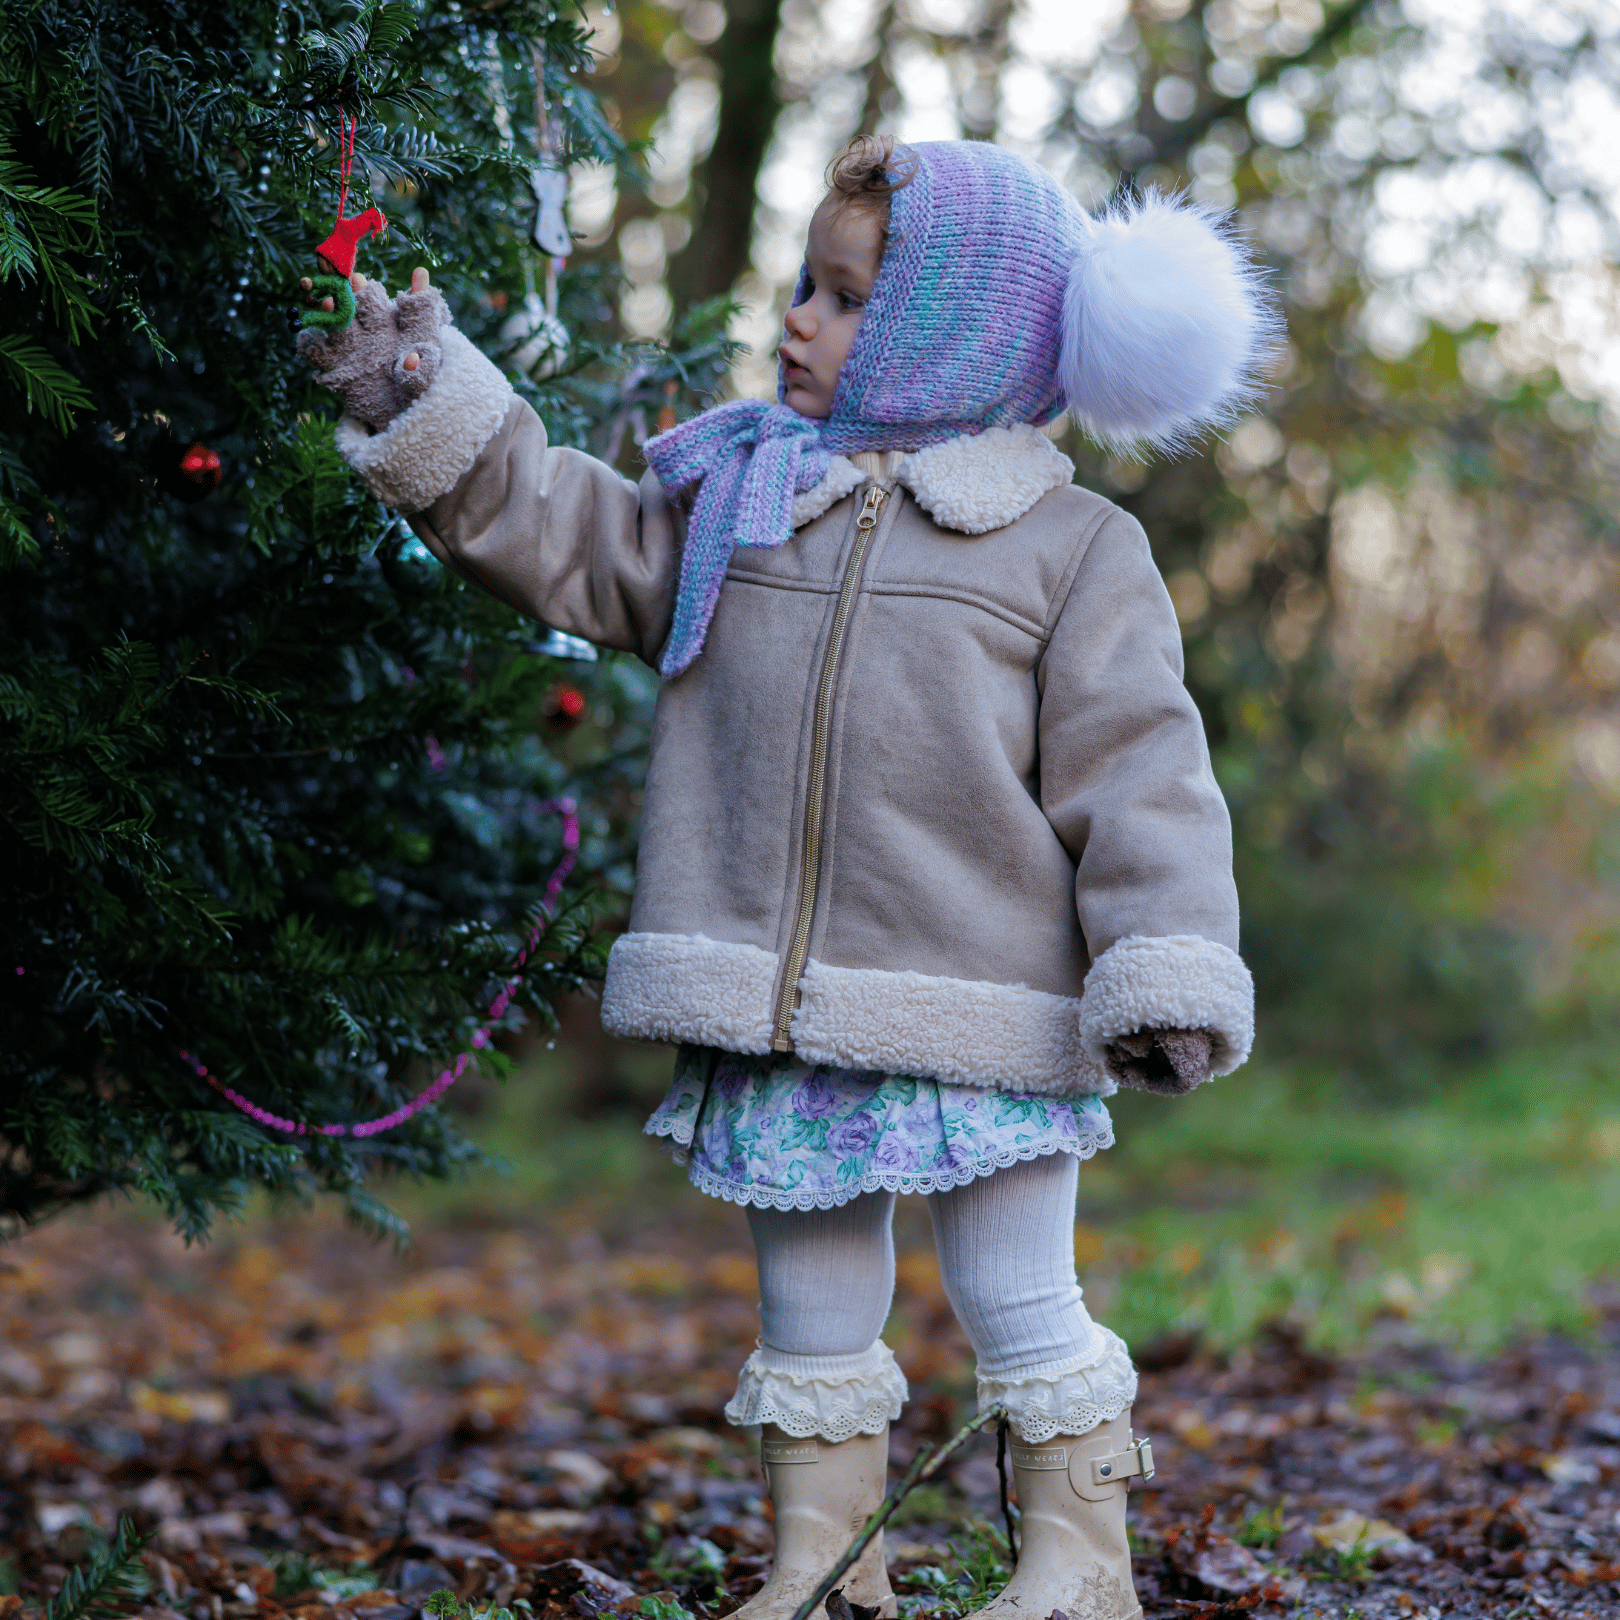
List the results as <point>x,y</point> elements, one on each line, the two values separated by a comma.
<point>875,497</point>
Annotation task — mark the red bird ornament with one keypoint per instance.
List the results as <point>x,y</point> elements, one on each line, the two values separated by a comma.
<point>340,247</point>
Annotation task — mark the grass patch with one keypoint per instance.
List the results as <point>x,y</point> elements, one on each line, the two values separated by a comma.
<point>1488,1210</point>
<point>978,1569</point>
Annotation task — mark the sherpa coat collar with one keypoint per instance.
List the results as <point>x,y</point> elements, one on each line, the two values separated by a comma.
<point>973,483</point>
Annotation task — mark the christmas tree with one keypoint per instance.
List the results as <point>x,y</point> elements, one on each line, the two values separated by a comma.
<point>278,795</point>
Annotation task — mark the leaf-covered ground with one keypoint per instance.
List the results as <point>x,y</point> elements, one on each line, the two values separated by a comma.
<point>312,1427</point>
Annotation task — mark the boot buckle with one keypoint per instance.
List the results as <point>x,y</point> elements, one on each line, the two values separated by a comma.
<point>1135,1459</point>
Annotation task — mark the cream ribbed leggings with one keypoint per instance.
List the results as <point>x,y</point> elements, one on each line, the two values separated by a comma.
<point>1006,1257</point>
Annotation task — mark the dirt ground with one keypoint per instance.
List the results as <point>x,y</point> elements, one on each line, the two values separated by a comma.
<point>310,1426</point>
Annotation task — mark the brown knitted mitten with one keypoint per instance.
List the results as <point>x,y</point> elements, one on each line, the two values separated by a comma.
<point>1170,1062</point>
<point>386,357</point>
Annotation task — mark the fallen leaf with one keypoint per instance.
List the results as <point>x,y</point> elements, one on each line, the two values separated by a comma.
<point>840,1608</point>
<point>1226,1566</point>
<point>1563,1469</point>
<point>1350,1532</point>
<point>582,1476</point>
<point>199,1406</point>
<point>735,1274</point>
<point>572,1575</point>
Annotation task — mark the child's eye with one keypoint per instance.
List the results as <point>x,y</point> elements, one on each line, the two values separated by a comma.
<point>848,301</point>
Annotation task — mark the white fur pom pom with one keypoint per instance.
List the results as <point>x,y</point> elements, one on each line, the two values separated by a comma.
<point>1166,323</point>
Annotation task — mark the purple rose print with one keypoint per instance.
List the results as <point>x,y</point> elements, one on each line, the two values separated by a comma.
<point>894,1154</point>
<point>816,1099</point>
<point>714,1138</point>
<point>729,1082</point>
<point>853,1136</point>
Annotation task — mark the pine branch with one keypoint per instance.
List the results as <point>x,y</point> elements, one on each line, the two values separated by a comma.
<point>40,226</point>
<point>47,387</point>
<point>17,543</point>
<point>101,1588</point>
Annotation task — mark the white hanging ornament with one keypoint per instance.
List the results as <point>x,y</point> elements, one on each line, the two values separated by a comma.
<point>550,233</point>
<point>537,339</point>
<point>535,334</point>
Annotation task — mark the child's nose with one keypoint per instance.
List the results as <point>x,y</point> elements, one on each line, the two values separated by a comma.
<point>800,323</point>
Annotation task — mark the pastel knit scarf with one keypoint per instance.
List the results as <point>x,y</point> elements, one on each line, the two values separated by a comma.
<point>748,459</point>
<point>962,332</point>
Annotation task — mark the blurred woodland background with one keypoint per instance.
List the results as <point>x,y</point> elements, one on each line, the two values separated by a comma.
<point>1398,584</point>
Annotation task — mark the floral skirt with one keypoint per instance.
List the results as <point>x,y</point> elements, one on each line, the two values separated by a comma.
<point>778,1133</point>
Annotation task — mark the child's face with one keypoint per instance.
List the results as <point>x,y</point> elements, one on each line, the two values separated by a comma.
<point>842,254</point>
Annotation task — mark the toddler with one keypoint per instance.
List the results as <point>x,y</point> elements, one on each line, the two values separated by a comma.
<point>932,858</point>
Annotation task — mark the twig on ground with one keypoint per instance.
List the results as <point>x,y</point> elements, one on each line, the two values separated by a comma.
<point>1006,1506</point>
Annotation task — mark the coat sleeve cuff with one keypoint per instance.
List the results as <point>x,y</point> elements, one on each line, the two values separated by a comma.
<point>1179,981</point>
<point>424,452</point>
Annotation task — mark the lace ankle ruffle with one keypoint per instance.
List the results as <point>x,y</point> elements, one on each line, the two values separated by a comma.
<point>835,1397</point>
<point>1066,1397</point>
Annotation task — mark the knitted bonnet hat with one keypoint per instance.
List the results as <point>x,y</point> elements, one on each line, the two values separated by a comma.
<point>999,300</point>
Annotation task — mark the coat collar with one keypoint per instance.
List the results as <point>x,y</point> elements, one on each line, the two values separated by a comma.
<point>973,483</point>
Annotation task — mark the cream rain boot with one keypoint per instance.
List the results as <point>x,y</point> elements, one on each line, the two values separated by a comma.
<point>823,1493</point>
<point>1072,1552</point>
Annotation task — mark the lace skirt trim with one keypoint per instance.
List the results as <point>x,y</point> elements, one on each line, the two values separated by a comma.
<point>774,1133</point>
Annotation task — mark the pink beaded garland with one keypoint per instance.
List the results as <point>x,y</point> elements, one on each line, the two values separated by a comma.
<point>448,1077</point>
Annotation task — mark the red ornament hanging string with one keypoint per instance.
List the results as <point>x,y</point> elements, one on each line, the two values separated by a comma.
<point>481,1037</point>
<point>339,249</point>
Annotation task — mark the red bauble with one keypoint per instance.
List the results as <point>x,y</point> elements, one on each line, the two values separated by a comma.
<point>189,472</point>
<point>567,705</point>
<point>202,467</point>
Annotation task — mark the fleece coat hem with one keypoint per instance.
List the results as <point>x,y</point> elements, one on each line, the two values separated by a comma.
<point>1002,1037</point>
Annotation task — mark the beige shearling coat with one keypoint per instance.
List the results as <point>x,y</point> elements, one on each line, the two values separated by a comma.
<point>933,800</point>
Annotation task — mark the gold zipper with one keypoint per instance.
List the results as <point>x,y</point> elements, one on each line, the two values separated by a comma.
<point>820,743</point>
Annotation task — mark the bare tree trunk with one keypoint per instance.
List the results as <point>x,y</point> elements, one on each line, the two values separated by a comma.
<point>880,86</point>
<point>722,222</point>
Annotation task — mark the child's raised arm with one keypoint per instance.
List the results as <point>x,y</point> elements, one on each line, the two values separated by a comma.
<point>436,431</point>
